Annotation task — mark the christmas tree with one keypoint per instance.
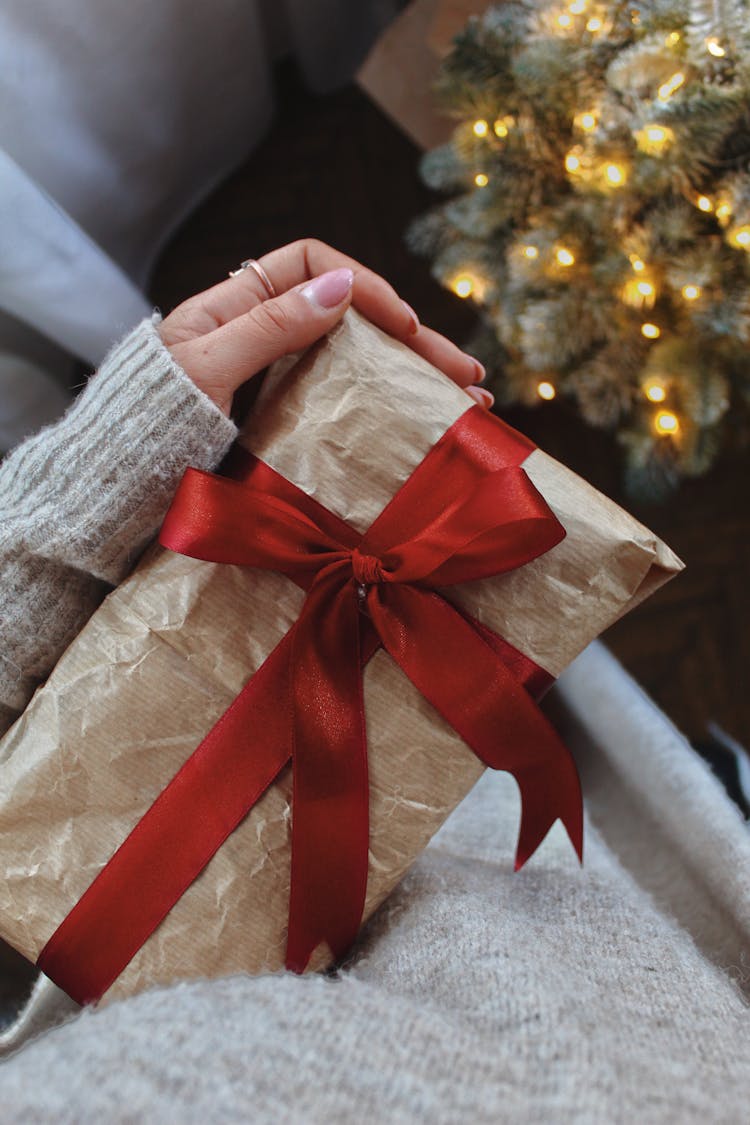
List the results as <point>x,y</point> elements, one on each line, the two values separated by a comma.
<point>599,216</point>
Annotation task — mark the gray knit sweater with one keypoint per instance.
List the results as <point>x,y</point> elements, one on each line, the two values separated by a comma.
<point>603,995</point>
<point>80,500</point>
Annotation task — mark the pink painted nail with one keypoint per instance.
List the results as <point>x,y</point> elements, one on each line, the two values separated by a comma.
<point>329,289</point>
<point>480,395</point>
<point>413,315</point>
<point>480,371</point>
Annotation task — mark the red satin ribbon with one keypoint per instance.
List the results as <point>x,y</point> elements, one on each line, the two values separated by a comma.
<point>468,511</point>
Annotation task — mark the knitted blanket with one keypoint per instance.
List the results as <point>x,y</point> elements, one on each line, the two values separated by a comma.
<point>610,993</point>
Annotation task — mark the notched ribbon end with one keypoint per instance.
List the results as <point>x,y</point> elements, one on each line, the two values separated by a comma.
<point>538,816</point>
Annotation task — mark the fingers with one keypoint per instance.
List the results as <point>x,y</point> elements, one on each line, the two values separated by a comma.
<point>221,361</point>
<point>287,268</point>
<point>372,295</point>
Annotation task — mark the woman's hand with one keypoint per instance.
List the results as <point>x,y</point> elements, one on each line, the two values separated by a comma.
<point>227,334</point>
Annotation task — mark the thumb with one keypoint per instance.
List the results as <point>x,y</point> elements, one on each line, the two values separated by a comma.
<point>221,361</point>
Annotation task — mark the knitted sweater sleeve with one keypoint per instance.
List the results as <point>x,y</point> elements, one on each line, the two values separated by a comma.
<point>81,499</point>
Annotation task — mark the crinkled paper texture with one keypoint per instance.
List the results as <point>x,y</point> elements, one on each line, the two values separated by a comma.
<point>171,647</point>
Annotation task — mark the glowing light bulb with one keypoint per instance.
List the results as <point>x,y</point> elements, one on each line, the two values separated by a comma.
<point>740,236</point>
<point>500,128</point>
<point>481,180</point>
<point>564,257</point>
<point>530,252</point>
<point>672,39</point>
<point>714,47</point>
<point>546,390</point>
<point>637,263</point>
<point>654,138</point>
<point>691,292</point>
<point>572,162</point>
<point>481,128</point>
<point>586,121</point>
<point>666,422</point>
<point>594,24</point>
<point>654,390</point>
<point>577,7</point>
<point>639,293</point>
<point>703,203</point>
<point>463,286</point>
<point>650,331</point>
<point>724,212</point>
<point>615,174</point>
<point>564,20</point>
<point>667,88</point>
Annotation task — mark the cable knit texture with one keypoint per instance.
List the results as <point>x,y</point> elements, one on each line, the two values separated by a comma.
<point>612,993</point>
<point>81,499</point>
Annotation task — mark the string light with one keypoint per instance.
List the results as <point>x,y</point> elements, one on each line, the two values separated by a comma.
<point>463,286</point>
<point>481,128</point>
<point>666,90</point>
<point>500,128</point>
<point>481,179</point>
<point>724,213</point>
<point>546,390</point>
<point>564,257</point>
<point>654,138</point>
<point>594,24</point>
<point>585,121</point>
<point>572,162</point>
<point>639,293</point>
<point>666,422</point>
<point>650,331</point>
<point>577,7</point>
<point>714,47</point>
<point>530,252</point>
<point>740,236</point>
<point>672,39</point>
<point>637,263</point>
<point>654,390</point>
<point>691,292</point>
<point>703,203</point>
<point>564,20</point>
<point>615,174</point>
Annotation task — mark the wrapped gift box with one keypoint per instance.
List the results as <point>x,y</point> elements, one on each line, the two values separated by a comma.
<point>347,422</point>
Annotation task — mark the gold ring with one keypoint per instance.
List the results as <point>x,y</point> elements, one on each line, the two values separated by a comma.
<point>251,263</point>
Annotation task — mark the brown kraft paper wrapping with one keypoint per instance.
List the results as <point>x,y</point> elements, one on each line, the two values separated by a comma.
<point>170,648</point>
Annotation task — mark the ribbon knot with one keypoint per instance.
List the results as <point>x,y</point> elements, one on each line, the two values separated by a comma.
<point>367,568</point>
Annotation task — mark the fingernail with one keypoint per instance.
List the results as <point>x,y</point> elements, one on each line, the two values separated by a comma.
<point>480,395</point>
<point>413,315</point>
<point>329,289</point>
<point>480,371</point>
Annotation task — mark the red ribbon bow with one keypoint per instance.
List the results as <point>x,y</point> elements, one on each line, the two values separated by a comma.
<point>465,513</point>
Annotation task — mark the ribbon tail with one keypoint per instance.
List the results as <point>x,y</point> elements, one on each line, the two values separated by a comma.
<point>549,794</point>
<point>176,838</point>
<point>471,687</point>
<point>330,804</point>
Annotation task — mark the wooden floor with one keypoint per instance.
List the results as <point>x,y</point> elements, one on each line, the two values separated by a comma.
<point>337,169</point>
